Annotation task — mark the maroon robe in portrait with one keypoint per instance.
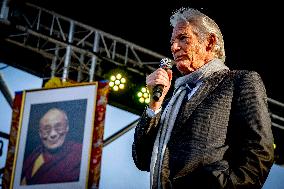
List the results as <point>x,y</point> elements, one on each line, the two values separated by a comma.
<point>63,165</point>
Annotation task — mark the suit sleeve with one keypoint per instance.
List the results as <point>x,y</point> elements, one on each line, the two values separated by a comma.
<point>144,138</point>
<point>250,138</point>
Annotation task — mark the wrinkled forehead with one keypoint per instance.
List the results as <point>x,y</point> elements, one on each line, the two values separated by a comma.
<point>181,28</point>
<point>53,117</point>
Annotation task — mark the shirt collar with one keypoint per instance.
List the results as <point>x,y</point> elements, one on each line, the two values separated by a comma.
<point>202,73</point>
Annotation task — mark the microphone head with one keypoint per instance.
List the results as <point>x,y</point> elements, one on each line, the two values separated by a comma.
<point>166,63</point>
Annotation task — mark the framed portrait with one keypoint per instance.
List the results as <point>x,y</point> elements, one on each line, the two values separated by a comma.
<point>55,138</point>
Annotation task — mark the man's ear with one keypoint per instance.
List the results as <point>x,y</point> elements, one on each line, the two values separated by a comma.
<point>211,41</point>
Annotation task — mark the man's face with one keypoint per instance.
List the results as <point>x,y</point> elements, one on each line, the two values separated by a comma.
<point>53,129</point>
<point>189,54</point>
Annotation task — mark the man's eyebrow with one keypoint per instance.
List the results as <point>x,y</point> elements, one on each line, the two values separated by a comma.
<point>59,124</point>
<point>45,127</point>
<point>177,36</point>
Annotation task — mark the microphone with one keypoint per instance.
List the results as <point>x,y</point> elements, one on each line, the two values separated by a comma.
<point>166,64</point>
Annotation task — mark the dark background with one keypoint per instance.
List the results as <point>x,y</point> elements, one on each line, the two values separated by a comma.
<point>251,30</point>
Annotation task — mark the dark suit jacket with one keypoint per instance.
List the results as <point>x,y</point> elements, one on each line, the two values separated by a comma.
<point>222,137</point>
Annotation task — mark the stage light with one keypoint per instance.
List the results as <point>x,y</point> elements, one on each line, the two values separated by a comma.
<point>143,95</point>
<point>117,82</point>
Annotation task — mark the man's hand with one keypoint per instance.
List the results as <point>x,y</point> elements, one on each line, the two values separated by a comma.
<point>159,77</point>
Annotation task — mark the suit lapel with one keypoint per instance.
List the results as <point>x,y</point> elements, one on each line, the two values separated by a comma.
<point>202,92</point>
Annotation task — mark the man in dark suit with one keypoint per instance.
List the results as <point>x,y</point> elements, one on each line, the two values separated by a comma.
<point>215,130</point>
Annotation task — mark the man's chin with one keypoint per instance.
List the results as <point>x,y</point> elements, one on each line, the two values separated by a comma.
<point>53,147</point>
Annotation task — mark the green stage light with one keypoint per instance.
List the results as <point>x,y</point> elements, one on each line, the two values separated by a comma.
<point>143,95</point>
<point>117,82</point>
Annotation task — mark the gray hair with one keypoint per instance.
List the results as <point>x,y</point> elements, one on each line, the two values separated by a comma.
<point>203,26</point>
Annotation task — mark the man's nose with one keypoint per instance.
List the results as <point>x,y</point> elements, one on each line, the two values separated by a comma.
<point>53,134</point>
<point>175,47</point>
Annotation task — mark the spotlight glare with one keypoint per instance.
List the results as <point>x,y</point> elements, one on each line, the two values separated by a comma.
<point>123,80</point>
<point>111,84</point>
<point>144,95</point>
<point>121,86</point>
<point>139,94</point>
<point>141,100</point>
<point>117,82</point>
<point>147,100</point>
<point>112,78</point>
<point>118,76</point>
<point>115,88</point>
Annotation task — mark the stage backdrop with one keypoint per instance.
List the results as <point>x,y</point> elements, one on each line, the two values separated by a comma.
<point>97,136</point>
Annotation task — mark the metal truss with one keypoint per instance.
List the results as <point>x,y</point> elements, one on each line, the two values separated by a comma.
<point>71,46</point>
